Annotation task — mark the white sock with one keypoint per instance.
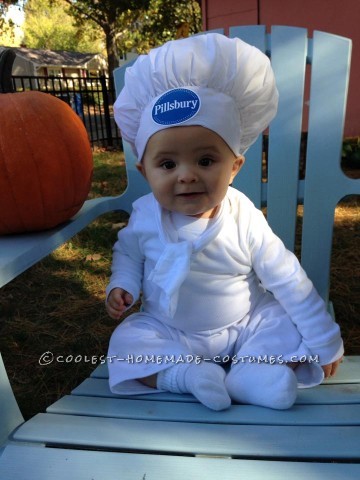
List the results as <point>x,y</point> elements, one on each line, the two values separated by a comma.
<point>273,386</point>
<point>204,380</point>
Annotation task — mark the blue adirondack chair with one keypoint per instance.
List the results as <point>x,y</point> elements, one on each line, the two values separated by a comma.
<point>93,434</point>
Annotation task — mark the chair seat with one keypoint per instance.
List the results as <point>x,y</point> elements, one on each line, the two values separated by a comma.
<point>329,442</point>
<point>59,464</point>
<point>135,435</point>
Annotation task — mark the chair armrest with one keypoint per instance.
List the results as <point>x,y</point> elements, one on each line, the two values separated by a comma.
<point>20,252</point>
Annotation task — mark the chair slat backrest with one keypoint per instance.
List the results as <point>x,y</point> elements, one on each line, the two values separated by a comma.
<point>282,190</point>
<point>249,181</point>
<point>326,184</point>
<point>288,58</point>
<point>287,47</point>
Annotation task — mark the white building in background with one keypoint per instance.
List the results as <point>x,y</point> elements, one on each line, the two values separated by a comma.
<point>49,63</point>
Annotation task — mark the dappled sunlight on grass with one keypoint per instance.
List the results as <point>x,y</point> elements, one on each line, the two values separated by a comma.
<point>109,174</point>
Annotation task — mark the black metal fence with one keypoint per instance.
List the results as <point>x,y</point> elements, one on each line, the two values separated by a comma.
<point>91,98</point>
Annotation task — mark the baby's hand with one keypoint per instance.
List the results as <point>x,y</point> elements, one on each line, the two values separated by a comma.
<point>331,369</point>
<point>117,302</point>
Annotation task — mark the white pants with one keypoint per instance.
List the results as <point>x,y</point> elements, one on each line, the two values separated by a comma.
<point>141,346</point>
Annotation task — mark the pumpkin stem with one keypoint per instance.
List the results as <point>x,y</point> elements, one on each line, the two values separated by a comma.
<point>7,58</point>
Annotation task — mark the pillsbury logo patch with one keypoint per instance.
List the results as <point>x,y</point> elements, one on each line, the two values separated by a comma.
<point>176,106</point>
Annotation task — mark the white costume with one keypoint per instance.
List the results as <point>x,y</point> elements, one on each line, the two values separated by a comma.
<point>207,296</point>
<point>220,288</point>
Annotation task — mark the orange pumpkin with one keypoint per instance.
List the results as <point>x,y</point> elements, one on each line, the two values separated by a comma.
<point>45,158</point>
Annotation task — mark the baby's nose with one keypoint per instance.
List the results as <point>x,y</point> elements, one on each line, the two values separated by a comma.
<point>187,175</point>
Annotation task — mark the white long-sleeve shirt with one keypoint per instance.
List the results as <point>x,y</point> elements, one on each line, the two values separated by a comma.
<point>215,281</point>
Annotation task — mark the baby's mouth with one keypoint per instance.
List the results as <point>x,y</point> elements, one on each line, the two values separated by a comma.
<point>189,194</point>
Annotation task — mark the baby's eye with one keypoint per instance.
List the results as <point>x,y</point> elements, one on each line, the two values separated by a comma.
<point>205,162</point>
<point>168,165</point>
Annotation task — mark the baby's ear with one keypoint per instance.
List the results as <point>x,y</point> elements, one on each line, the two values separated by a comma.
<point>240,160</point>
<point>140,168</point>
<point>237,165</point>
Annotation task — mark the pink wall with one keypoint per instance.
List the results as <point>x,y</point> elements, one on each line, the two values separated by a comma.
<point>221,14</point>
<point>333,16</point>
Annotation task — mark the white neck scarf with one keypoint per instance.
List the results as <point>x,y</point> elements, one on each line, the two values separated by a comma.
<point>173,265</point>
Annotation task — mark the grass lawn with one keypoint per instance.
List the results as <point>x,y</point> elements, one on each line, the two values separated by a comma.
<point>58,305</point>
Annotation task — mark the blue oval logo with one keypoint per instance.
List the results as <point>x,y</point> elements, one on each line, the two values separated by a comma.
<point>176,106</point>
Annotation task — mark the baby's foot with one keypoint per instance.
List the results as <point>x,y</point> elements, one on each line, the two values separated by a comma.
<point>273,386</point>
<point>204,380</point>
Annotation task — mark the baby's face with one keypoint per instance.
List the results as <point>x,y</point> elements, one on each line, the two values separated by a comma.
<point>189,169</point>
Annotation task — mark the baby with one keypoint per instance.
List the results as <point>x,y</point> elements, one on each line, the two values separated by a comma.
<point>216,283</point>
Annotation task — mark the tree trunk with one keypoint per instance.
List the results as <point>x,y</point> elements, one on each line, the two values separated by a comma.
<point>112,55</point>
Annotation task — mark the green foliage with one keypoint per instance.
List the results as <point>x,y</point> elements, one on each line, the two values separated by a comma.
<point>7,34</point>
<point>137,24</point>
<point>122,25</point>
<point>104,10</point>
<point>105,14</point>
<point>164,20</point>
<point>48,25</point>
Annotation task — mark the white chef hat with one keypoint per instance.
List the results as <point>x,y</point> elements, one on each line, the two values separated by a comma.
<point>209,80</point>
